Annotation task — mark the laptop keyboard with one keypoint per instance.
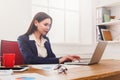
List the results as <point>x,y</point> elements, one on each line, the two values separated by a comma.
<point>85,60</point>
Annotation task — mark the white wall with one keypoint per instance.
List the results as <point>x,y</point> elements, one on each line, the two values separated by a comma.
<point>15,16</point>
<point>86,28</point>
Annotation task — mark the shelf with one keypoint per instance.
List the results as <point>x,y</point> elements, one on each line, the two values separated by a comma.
<point>109,5</point>
<point>114,22</point>
<point>104,23</point>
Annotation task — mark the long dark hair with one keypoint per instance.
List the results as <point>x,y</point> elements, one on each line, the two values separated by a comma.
<point>40,16</point>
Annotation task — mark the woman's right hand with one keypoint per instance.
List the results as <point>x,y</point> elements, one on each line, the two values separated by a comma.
<point>69,58</point>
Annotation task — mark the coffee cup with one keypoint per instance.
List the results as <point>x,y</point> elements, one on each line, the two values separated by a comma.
<point>8,60</point>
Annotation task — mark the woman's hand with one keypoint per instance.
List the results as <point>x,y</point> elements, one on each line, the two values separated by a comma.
<point>69,58</point>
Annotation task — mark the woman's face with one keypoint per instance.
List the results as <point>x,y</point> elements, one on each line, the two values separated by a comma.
<point>43,26</point>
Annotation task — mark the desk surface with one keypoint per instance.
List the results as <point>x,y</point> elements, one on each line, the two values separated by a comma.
<point>105,70</point>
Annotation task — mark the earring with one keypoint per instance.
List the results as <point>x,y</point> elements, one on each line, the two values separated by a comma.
<point>35,24</point>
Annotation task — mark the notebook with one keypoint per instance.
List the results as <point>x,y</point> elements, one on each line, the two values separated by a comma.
<point>96,56</point>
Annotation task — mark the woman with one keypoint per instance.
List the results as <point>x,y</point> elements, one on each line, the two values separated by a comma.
<point>35,45</point>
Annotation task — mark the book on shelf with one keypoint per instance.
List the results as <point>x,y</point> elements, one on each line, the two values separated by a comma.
<point>105,33</point>
<point>103,15</point>
<point>106,17</point>
<point>100,31</point>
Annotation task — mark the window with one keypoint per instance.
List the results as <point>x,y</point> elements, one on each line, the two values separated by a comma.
<point>65,27</point>
<point>71,24</point>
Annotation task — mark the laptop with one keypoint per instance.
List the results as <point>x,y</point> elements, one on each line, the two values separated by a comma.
<point>96,56</point>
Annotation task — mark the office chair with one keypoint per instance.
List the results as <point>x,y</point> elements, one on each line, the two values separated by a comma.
<point>12,47</point>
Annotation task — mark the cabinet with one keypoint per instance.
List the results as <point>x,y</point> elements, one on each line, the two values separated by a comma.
<point>108,20</point>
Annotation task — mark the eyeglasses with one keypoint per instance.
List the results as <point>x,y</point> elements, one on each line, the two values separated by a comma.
<point>61,68</point>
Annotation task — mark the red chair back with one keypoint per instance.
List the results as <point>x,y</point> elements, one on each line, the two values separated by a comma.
<point>12,47</point>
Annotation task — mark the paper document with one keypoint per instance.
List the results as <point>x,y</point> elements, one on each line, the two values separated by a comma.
<point>50,67</point>
<point>25,76</point>
<point>5,72</point>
